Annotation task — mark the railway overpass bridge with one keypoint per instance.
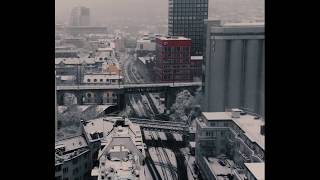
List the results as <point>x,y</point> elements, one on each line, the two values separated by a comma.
<point>98,93</point>
<point>163,126</point>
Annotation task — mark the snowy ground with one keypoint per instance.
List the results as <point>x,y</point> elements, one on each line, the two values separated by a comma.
<point>147,103</point>
<point>190,160</point>
<point>157,102</point>
<point>147,135</point>
<point>162,136</point>
<point>165,162</point>
<point>177,137</point>
<point>153,135</point>
<point>147,173</point>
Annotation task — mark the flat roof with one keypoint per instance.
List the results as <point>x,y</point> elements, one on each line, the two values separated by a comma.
<point>74,61</point>
<point>144,40</point>
<point>256,169</point>
<point>217,168</point>
<point>80,107</point>
<point>67,77</point>
<point>216,116</point>
<point>192,144</point>
<point>97,125</point>
<point>236,28</point>
<point>72,143</point>
<point>173,38</point>
<point>105,49</point>
<point>106,75</point>
<point>247,123</point>
<point>249,24</point>
<point>196,57</point>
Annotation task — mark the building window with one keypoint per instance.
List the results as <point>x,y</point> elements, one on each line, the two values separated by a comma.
<point>222,133</point>
<point>95,80</point>
<point>101,80</point>
<point>58,178</point>
<point>75,161</point>
<point>75,171</point>
<point>88,80</point>
<point>58,168</point>
<point>212,124</point>
<point>66,178</point>
<point>65,170</point>
<point>113,80</point>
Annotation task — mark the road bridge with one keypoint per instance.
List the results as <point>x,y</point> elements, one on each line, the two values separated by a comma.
<point>98,93</point>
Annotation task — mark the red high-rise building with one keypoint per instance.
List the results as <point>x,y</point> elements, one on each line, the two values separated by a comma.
<point>173,59</point>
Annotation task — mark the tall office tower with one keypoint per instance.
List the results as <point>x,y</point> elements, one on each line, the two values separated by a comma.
<point>80,16</point>
<point>234,67</point>
<point>186,18</point>
<point>55,102</point>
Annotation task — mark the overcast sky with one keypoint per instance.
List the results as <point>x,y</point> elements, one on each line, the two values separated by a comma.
<point>106,11</point>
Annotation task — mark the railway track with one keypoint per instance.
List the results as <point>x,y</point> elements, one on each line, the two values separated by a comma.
<point>165,159</point>
<point>147,105</point>
<point>163,170</point>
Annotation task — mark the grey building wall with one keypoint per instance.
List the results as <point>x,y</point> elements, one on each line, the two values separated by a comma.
<point>77,168</point>
<point>234,67</point>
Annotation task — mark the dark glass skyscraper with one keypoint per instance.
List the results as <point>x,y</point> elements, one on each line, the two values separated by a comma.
<point>186,18</point>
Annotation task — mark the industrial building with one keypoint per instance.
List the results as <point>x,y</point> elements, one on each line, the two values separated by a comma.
<point>233,73</point>
<point>230,144</point>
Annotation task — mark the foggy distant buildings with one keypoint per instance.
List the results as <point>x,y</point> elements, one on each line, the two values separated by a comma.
<point>80,16</point>
<point>186,18</point>
<point>234,67</point>
<point>80,25</point>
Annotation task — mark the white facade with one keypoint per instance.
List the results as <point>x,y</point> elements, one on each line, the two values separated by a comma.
<point>146,45</point>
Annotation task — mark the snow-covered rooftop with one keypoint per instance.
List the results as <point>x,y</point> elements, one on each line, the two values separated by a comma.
<point>217,168</point>
<point>75,61</point>
<point>72,143</point>
<point>256,169</point>
<point>196,58</point>
<point>173,38</point>
<point>247,122</point>
<point>102,75</point>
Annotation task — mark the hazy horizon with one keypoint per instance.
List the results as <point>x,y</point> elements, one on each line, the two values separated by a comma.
<point>111,12</point>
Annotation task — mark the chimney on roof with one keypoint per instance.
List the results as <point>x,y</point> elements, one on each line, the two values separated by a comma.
<point>235,113</point>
